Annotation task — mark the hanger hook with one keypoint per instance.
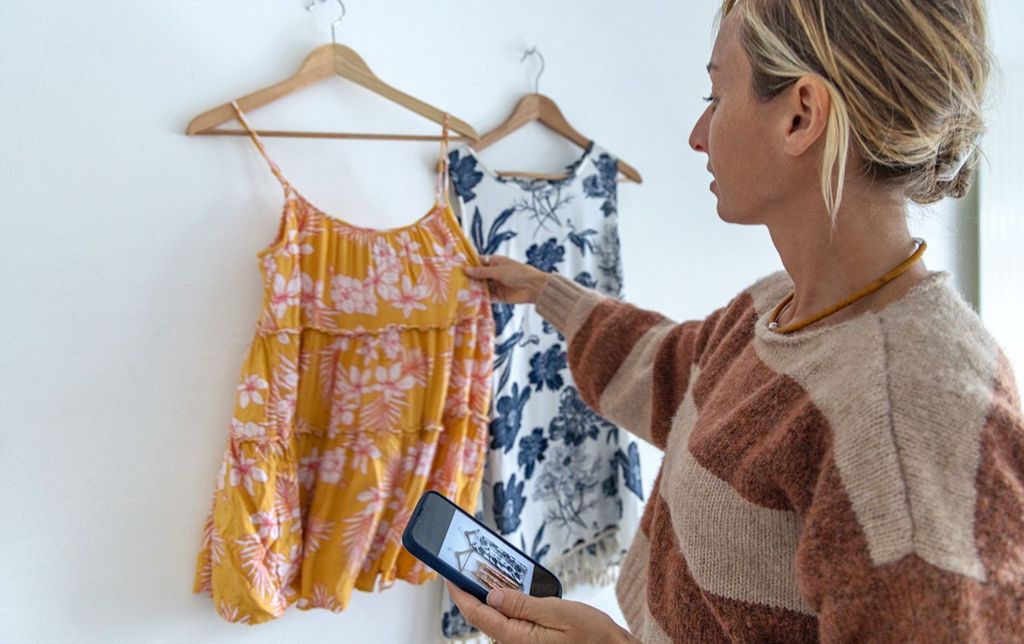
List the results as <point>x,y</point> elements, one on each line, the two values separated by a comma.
<point>534,51</point>
<point>334,25</point>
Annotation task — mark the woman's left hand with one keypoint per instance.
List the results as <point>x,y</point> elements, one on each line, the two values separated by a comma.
<point>511,617</point>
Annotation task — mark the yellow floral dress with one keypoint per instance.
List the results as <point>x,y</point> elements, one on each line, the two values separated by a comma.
<point>367,383</point>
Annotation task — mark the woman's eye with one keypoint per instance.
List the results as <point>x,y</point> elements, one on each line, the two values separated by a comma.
<point>710,99</point>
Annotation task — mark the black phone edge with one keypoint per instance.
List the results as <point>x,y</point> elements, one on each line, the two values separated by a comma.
<point>434,561</point>
<point>441,567</point>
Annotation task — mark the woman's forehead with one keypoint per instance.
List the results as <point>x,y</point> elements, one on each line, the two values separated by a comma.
<point>728,60</point>
<point>726,42</point>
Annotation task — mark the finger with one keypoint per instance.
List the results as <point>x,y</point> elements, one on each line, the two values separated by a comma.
<point>488,262</point>
<point>518,605</point>
<point>479,272</point>
<point>463,599</point>
<point>483,617</point>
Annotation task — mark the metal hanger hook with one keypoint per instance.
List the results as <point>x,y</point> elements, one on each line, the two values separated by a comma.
<point>334,25</point>
<point>535,52</point>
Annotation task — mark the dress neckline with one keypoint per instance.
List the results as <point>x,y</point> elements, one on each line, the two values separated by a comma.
<point>367,230</point>
<point>532,185</point>
<point>367,234</point>
<point>338,222</point>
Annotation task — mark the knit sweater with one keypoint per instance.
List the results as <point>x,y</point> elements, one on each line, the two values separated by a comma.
<point>857,481</point>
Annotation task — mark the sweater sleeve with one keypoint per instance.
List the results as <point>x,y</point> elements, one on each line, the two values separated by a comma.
<point>929,587</point>
<point>630,365</point>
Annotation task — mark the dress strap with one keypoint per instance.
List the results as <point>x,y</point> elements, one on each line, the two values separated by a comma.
<point>263,150</point>
<point>442,165</point>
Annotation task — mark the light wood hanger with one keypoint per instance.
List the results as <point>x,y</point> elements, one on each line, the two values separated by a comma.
<point>324,62</point>
<point>539,108</point>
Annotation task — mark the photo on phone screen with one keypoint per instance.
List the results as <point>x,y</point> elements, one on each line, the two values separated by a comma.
<point>468,548</point>
<point>461,549</point>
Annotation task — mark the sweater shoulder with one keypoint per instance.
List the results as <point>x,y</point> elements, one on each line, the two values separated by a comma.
<point>938,350</point>
<point>928,342</point>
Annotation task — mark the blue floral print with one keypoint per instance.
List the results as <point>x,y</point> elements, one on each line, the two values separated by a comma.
<point>582,240</point>
<point>495,235</point>
<point>551,330</point>
<point>546,368</point>
<point>536,552</point>
<point>585,279</point>
<point>464,175</point>
<point>510,412</point>
<point>502,313</point>
<point>576,421</point>
<point>568,484</point>
<point>452,621</point>
<point>630,462</point>
<point>508,504</point>
<point>531,450</point>
<point>602,185</point>
<point>546,256</point>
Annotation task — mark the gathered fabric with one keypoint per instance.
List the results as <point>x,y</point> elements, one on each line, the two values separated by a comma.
<point>367,383</point>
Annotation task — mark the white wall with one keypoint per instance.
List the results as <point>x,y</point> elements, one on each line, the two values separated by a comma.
<point>1001,190</point>
<point>129,285</point>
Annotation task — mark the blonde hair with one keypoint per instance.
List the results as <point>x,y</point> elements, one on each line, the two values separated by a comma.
<point>906,78</point>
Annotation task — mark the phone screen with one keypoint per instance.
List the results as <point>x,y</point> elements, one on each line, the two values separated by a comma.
<point>469,554</point>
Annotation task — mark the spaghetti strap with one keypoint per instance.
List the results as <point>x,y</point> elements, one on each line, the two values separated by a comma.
<point>442,166</point>
<point>263,150</point>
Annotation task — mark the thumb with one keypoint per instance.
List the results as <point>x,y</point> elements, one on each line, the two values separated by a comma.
<point>517,605</point>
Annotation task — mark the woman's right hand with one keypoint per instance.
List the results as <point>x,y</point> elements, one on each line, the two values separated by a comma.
<point>510,281</point>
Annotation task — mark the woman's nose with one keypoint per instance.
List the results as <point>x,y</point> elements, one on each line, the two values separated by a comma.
<point>698,136</point>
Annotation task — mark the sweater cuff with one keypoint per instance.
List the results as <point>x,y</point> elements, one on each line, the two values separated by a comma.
<point>566,304</point>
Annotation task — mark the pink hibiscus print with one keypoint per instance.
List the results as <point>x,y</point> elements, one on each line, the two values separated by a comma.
<point>309,466</point>
<point>363,451</point>
<point>286,293</point>
<point>332,465</point>
<point>267,525</point>
<point>250,390</point>
<point>244,471</point>
<point>411,297</point>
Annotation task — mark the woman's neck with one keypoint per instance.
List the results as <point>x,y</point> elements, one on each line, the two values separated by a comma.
<point>870,239</point>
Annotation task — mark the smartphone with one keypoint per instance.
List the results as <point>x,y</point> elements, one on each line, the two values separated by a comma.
<point>469,554</point>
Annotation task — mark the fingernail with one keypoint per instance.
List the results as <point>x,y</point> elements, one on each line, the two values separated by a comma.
<point>496,597</point>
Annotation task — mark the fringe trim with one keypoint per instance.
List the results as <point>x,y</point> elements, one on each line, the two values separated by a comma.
<point>600,578</point>
<point>474,638</point>
<point>577,566</point>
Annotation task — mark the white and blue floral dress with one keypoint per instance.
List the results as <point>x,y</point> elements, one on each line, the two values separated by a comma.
<point>560,481</point>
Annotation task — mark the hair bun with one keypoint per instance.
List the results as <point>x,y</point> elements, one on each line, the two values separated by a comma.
<point>948,171</point>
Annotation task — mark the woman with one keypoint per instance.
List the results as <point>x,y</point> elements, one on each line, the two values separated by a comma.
<point>843,460</point>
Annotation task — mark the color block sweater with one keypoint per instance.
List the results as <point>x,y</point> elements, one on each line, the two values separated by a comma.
<point>860,481</point>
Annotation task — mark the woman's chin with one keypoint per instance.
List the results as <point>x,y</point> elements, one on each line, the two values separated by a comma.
<point>729,215</point>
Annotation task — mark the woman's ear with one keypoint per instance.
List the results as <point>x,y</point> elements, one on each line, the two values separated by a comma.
<point>806,106</point>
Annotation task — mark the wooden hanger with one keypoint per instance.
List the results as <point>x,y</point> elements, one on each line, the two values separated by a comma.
<point>539,108</point>
<point>324,62</point>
